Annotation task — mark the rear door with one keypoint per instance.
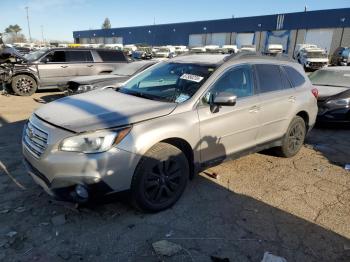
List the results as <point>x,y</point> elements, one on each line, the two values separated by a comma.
<point>80,62</point>
<point>108,60</point>
<point>54,69</point>
<point>277,101</point>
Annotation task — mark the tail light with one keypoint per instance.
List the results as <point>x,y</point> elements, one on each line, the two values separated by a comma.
<point>314,91</point>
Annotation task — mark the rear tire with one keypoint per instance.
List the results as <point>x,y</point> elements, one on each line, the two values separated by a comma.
<point>160,178</point>
<point>24,85</point>
<point>294,138</point>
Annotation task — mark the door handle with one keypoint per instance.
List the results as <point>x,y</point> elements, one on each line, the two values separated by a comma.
<point>90,65</point>
<point>64,66</point>
<point>254,109</point>
<point>292,99</point>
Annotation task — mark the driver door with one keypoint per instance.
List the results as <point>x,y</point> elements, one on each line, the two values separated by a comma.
<point>54,69</point>
<point>230,129</point>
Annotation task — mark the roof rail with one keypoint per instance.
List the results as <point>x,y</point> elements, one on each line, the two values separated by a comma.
<point>250,54</point>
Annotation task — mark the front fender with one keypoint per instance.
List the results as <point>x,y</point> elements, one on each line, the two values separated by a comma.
<point>146,134</point>
<point>31,70</point>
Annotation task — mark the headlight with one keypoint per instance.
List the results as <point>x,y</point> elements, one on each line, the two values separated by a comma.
<point>340,102</point>
<point>85,88</point>
<point>96,142</point>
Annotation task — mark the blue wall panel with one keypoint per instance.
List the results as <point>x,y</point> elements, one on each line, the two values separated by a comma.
<point>178,33</point>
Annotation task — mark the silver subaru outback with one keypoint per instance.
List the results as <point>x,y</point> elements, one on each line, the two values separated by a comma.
<point>166,124</point>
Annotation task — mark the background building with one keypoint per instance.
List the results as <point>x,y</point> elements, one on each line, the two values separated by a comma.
<point>328,29</point>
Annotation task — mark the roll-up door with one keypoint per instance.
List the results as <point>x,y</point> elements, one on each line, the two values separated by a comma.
<point>278,37</point>
<point>218,39</point>
<point>320,37</point>
<point>244,39</point>
<point>196,40</point>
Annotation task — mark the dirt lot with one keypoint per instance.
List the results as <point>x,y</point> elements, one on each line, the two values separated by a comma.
<point>295,208</point>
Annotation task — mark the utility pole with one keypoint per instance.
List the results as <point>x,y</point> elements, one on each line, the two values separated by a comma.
<point>30,36</point>
<point>42,34</point>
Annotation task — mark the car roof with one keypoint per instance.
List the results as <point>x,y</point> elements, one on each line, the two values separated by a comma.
<point>83,49</point>
<point>200,59</point>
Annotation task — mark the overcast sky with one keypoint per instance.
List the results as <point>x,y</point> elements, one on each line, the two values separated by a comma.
<point>60,18</point>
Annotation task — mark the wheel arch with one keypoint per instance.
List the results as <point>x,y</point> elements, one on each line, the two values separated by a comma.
<point>305,116</point>
<point>186,148</point>
<point>28,74</point>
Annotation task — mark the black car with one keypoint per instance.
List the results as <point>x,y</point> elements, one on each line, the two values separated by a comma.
<point>341,56</point>
<point>333,84</point>
<point>87,83</point>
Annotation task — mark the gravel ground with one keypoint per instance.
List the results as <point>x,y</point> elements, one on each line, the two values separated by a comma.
<point>295,208</point>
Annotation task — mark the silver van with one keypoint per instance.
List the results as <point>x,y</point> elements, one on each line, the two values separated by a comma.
<point>166,124</point>
<point>46,69</point>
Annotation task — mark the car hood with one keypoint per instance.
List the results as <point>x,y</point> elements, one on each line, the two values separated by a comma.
<point>8,53</point>
<point>327,91</point>
<point>101,109</point>
<point>93,79</point>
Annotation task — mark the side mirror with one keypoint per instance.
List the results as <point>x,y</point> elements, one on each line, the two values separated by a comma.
<point>221,99</point>
<point>225,99</point>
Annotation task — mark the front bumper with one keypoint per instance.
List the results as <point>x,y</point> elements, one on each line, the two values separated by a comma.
<point>60,172</point>
<point>339,115</point>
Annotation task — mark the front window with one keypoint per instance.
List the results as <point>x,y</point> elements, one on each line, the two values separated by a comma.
<point>169,82</point>
<point>339,78</point>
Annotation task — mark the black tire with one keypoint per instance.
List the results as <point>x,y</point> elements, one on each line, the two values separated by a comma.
<point>24,85</point>
<point>293,140</point>
<point>160,178</point>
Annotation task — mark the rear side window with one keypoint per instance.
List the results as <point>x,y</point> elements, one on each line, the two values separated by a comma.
<point>269,78</point>
<point>79,56</point>
<point>112,56</point>
<point>294,76</point>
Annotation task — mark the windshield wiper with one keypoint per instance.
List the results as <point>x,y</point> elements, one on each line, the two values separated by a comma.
<point>138,94</point>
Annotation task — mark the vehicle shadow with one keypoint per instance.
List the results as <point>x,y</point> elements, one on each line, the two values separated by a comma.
<point>48,98</point>
<point>332,141</point>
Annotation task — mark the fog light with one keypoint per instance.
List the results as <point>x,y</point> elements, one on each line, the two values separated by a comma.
<point>82,192</point>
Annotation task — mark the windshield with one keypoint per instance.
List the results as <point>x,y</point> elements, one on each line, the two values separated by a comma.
<point>165,50</point>
<point>34,55</point>
<point>339,78</point>
<point>316,55</point>
<point>170,82</point>
<point>128,69</point>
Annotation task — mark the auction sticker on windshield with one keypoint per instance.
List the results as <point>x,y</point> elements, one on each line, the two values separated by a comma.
<point>193,78</point>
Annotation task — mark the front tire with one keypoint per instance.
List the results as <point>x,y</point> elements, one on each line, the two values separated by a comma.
<point>160,178</point>
<point>293,139</point>
<point>24,85</point>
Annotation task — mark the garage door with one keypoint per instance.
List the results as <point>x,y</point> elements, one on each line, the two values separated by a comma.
<point>196,40</point>
<point>218,39</point>
<point>244,39</point>
<point>114,40</point>
<point>84,40</point>
<point>278,37</point>
<point>320,37</point>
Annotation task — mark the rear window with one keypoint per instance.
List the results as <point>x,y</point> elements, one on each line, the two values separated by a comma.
<point>269,77</point>
<point>294,76</point>
<point>79,56</point>
<point>112,56</point>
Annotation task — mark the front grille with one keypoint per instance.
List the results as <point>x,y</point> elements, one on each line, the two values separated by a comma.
<point>317,64</point>
<point>35,139</point>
